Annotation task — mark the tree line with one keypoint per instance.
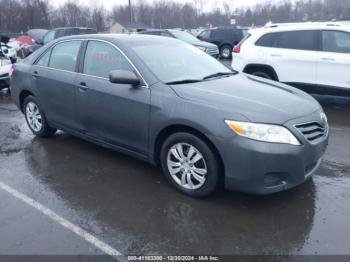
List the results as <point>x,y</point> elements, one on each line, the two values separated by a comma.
<point>22,15</point>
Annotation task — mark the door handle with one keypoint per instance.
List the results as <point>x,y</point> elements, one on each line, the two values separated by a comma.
<point>83,87</point>
<point>35,74</point>
<point>327,59</point>
<point>276,55</point>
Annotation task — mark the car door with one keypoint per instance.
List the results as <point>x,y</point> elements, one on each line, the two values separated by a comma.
<point>54,78</point>
<point>118,114</point>
<point>333,64</point>
<point>217,36</point>
<point>293,55</point>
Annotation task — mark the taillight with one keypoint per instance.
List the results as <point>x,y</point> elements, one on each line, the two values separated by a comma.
<point>237,49</point>
<point>11,72</point>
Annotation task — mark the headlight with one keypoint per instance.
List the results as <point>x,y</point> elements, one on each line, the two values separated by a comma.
<point>262,132</point>
<point>202,48</point>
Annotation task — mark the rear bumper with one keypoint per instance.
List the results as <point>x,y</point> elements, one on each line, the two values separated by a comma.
<point>237,63</point>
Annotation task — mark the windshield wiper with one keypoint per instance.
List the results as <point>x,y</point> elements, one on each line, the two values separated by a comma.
<point>184,81</point>
<point>219,74</point>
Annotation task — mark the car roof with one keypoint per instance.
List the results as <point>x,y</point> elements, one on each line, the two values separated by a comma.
<point>226,28</point>
<point>153,30</point>
<point>270,28</point>
<point>74,27</point>
<point>129,39</point>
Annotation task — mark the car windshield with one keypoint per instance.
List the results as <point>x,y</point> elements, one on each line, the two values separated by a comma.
<point>184,36</point>
<point>176,61</point>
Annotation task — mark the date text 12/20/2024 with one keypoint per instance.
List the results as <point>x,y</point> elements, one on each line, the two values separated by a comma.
<point>173,258</point>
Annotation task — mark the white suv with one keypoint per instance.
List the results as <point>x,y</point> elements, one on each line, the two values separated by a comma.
<point>314,57</point>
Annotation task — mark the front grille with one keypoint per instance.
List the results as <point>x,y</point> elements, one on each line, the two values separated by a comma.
<point>213,51</point>
<point>314,131</point>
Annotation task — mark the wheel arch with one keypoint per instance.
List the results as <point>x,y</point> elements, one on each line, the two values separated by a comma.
<point>178,128</point>
<point>225,44</point>
<point>266,68</point>
<point>22,96</point>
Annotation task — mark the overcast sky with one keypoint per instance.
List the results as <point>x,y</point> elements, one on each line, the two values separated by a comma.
<point>209,3</point>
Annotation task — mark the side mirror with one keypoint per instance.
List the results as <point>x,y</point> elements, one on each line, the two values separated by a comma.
<point>124,77</point>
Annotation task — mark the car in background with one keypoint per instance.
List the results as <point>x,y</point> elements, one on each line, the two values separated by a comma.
<point>32,36</point>
<point>224,38</point>
<point>57,33</point>
<point>6,59</point>
<point>209,48</point>
<point>314,57</point>
<point>29,41</point>
<point>161,100</point>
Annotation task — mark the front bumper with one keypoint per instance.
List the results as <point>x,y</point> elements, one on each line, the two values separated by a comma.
<point>213,52</point>
<point>266,168</point>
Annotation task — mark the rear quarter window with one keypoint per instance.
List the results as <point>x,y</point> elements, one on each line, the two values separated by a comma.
<point>298,40</point>
<point>268,40</point>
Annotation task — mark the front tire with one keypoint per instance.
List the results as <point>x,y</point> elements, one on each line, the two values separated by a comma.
<point>35,118</point>
<point>190,165</point>
<point>226,52</point>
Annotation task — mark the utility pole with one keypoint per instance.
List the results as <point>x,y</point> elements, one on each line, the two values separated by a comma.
<point>130,11</point>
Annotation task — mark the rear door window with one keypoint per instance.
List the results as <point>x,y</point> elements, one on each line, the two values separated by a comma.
<point>44,60</point>
<point>298,40</point>
<point>102,58</point>
<point>335,41</point>
<point>220,33</point>
<point>64,55</point>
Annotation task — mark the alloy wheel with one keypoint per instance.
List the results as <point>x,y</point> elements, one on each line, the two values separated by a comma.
<point>34,117</point>
<point>226,52</point>
<point>187,166</point>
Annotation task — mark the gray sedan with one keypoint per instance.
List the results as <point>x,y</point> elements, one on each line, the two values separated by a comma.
<point>166,102</point>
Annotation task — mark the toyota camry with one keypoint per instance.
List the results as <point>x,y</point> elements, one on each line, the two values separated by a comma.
<point>167,102</point>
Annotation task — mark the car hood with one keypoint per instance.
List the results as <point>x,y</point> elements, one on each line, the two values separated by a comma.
<point>256,99</point>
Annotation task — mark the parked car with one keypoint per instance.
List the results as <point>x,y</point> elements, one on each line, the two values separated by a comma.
<point>32,36</point>
<point>209,48</point>
<point>5,67</point>
<point>314,57</point>
<point>8,56</point>
<point>57,33</point>
<point>164,101</point>
<point>224,38</point>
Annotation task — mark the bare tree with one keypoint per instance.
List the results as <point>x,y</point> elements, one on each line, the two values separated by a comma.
<point>21,15</point>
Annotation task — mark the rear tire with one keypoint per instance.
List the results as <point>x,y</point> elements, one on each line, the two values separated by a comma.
<point>35,118</point>
<point>190,165</point>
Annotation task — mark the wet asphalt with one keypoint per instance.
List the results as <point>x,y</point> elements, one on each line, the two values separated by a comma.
<point>128,204</point>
